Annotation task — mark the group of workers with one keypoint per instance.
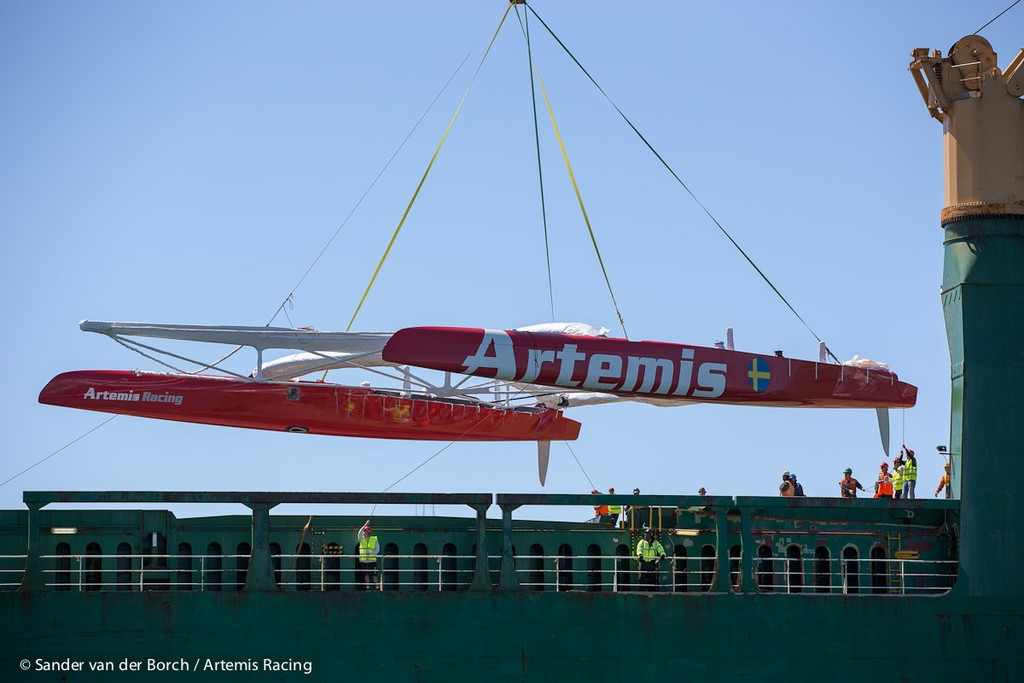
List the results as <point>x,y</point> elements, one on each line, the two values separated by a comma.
<point>649,550</point>
<point>790,487</point>
<point>604,509</point>
<point>899,481</point>
<point>902,481</point>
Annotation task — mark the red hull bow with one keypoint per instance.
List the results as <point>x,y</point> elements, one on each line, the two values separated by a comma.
<point>672,372</point>
<point>312,407</point>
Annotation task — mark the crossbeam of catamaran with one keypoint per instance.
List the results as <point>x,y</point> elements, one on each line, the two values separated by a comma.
<point>555,364</point>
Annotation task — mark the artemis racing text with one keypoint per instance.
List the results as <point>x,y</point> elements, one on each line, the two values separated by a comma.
<point>616,373</point>
<point>145,396</point>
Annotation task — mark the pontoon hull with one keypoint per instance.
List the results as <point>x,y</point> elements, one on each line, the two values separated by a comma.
<point>303,407</point>
<point>673,372</point>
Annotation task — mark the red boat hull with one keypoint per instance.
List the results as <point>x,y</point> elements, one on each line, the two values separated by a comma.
<point>304,407</point>
<point>673,372</point>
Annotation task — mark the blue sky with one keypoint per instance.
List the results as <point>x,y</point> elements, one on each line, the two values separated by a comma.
<point>186,162</point>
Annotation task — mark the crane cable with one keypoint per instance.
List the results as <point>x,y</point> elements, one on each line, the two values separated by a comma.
<point>576,188</point>
<point>426,173</point>
<point>680,181</point>
<point>540,171</point>
<point>996,17</point>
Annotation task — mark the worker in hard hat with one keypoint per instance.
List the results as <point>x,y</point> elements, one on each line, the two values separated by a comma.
<point>798,488</point>
<point>786,487</point>
<point>897,476</point>
<point>614,510</point>
<point>600,509</point>
<point>944,483</point>
<point>848,485</point>
<point>909,473</point>
<point>369,548</point>
<point>883,485</point>
<point>649,551</point>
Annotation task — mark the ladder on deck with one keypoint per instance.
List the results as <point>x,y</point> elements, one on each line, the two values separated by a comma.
<point>892,551</point>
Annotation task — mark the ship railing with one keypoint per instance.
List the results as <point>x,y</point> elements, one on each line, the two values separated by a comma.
<point>611,573</point>
<point>393,572</point>
<point>445,572</point>
<point>301,572</point>
<point>854,576</point>
<point>12,570</point>
<point>840,576</point>
<point>123,572</point>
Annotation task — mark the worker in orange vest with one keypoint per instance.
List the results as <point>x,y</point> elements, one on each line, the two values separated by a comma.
<point>786,489</point>
<point>883,487</point>
<point>944,483</point>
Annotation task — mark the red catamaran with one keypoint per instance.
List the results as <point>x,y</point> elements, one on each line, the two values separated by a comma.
<point>666,372</point>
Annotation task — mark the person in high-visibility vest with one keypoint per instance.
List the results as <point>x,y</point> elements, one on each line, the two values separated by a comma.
<point>649,551</point>
<point>883,487</point>
<point>615,510</point>
<point>369,548</point>
<point>909,474</point>
<point>897,477</point>
<point>786,489</point>
<point>600,509</point>
<point>944,483</point>
<point>848,485</point>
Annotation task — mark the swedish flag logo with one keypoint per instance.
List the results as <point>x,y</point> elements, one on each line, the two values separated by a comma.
<point>758,375</point>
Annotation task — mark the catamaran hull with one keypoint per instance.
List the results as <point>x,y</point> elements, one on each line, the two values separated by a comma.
<point>302,407</point>
<point>672,372</point>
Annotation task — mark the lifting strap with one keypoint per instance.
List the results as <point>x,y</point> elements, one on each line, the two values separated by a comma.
<point>576,189</point>
<point>680,181</point>
<point>426,172</point>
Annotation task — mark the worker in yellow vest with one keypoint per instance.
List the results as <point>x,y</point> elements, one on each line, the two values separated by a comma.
<point>369,548</point>
<point>649,551</point>
<point>909,474</point>
<point>615,510</point>
<point>897,477</point>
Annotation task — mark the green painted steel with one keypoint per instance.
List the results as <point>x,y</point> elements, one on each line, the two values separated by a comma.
<point>726,625</point>
<point>520,636</point>
<point>983,303</point>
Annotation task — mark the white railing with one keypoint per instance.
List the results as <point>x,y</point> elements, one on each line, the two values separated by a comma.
<point>12,569</point>
<point>614,573</point>
<point>413,572</point>
<point>229,572</point>
<point>604,573</point>
<point>854,576</point>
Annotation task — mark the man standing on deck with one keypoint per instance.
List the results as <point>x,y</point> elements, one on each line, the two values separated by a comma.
<point>848,485</point>
<point>649,552</point>
<point>786,487</point>
<point>944,483</point>
<point>883,487</point>
<point>897,476</point>
<point>798,488</point>
<point>369,548</point>
<point>909,474</point>
<point>614,510</point>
